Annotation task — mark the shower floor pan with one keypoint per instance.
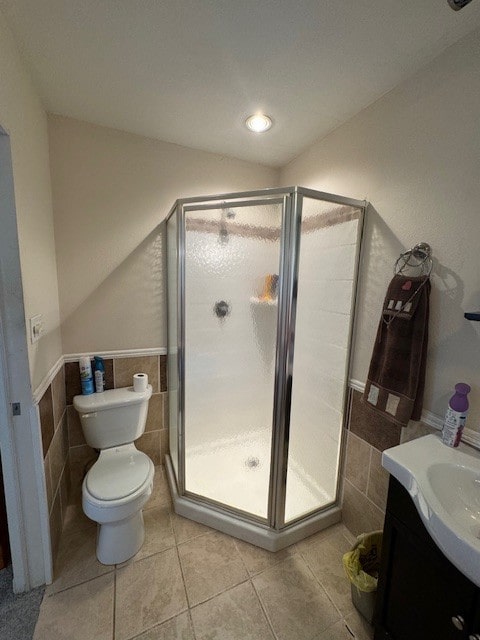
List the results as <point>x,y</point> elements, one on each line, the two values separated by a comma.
<point>235,472</point>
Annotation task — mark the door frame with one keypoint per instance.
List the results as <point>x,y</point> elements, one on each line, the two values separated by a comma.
<point>20,436</point>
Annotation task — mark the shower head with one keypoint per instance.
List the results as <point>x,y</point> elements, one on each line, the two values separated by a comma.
<point>458,4</point>
<point>227,214</point>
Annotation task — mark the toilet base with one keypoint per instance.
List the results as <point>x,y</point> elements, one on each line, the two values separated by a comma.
<point>120,541</point>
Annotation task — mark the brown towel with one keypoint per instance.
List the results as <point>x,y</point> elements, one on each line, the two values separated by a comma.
<point>396,377</point>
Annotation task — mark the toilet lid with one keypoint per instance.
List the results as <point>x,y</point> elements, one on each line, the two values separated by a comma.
<point>117,474</point>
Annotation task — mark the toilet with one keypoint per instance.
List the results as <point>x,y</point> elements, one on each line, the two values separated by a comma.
<point>119,484</point>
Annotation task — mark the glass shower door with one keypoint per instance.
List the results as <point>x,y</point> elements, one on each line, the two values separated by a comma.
<point>232,263</point>
<point>329,245</point>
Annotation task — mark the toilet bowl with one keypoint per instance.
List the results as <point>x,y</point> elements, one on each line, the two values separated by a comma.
<point>118,485</point>
<point>114,493</point>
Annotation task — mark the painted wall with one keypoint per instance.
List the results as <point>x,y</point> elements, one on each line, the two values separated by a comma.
<point>24,119</point>
<point>415,155</point>
<point>111,191</point>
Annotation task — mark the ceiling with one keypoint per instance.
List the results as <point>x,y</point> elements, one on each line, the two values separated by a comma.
<point>190,71</point>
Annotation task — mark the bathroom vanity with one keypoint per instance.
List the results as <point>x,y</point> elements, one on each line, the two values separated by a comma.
<point>423,595</point>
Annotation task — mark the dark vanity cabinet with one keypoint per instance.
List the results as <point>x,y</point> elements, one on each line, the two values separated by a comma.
<point>421,595</point>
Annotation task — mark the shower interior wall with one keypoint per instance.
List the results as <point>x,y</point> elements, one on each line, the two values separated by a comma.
<point>323,322</point>
<point>230,362</point>
<point>228,356</point>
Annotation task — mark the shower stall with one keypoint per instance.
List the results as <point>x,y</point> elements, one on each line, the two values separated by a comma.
<point>261,296</point>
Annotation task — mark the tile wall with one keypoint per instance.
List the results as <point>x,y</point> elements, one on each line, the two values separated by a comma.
<point>67,457</point>
<point>365,481</point>
<point>53,424</point>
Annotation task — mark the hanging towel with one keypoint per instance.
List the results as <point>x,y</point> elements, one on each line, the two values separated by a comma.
<point>396,377</point>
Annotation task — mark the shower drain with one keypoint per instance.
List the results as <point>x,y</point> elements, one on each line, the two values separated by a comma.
<point>252,462</point>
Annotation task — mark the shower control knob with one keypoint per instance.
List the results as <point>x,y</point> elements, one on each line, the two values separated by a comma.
<point>221,309</point>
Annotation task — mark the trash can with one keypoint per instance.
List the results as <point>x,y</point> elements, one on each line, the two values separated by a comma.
<point>362,564</point>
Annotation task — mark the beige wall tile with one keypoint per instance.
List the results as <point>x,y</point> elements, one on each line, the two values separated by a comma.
<point>58,396</point>
<point>163,373</point>
<point>415,430</point>
<point>164,444</point>
<point>357,461</point>
<point>85,611</point>
<point>55,524</point>
<point>81,458</point>
<point>75,520</point>
<point>45,407</point>
<point>75,433</point>
<point>48,481</point>
<point>148,592</point>
<point>237,613</point>
<point>58,454</point>
<point>149,443</point>
<point>73,386</point>
<point>161,493</point>
<point>378,481</point>
<point>165,411</point>
<point>63,488</point>
<point>359,514</point>
<point>124,368</point>
<point>155,413</point>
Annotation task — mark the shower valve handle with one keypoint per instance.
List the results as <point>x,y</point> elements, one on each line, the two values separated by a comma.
<point>221,309</point>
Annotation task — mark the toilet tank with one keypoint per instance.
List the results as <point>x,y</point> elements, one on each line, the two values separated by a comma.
<point>114,417</point>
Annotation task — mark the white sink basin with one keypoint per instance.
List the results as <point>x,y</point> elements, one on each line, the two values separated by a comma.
<point>444,484</point>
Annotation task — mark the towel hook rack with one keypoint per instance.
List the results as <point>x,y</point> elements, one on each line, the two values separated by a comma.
<point>419,257</point>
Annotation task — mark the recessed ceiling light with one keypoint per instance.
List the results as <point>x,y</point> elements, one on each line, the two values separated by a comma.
<point>258,123</point>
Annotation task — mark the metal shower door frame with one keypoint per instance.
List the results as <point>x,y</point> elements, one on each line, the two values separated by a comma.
<point>292,199</point>
<point>264,197</point>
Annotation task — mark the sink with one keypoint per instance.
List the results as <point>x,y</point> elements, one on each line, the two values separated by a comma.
<point>444,484</point>
<point>457,488</point>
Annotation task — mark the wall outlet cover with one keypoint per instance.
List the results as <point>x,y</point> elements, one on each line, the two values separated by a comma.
<point>36,327</point>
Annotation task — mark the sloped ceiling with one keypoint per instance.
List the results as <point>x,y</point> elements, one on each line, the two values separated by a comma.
<point>190,71</point>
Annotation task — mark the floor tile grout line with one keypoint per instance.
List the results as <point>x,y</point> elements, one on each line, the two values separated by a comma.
<point>78,584</point>
<point>200,535</point>
<point>192,626</point>
<point>220,593</point>
<point>114,602</point>
<point>157,625</point>
<point>183,576</point>
<point>307,564</point>
<point>265,613</point>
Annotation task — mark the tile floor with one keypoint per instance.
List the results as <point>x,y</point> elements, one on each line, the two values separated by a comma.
<point>189,582</point>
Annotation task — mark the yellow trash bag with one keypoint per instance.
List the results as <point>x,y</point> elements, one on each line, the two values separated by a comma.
<point>362,563</point>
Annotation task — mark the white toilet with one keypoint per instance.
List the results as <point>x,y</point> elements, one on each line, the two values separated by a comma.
<point>120,482</point>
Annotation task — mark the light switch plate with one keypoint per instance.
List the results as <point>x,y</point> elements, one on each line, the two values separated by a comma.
<point>36,327</point>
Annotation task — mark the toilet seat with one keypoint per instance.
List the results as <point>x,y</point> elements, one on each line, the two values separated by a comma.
<point>103,510</point>
<point>118,473</point>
